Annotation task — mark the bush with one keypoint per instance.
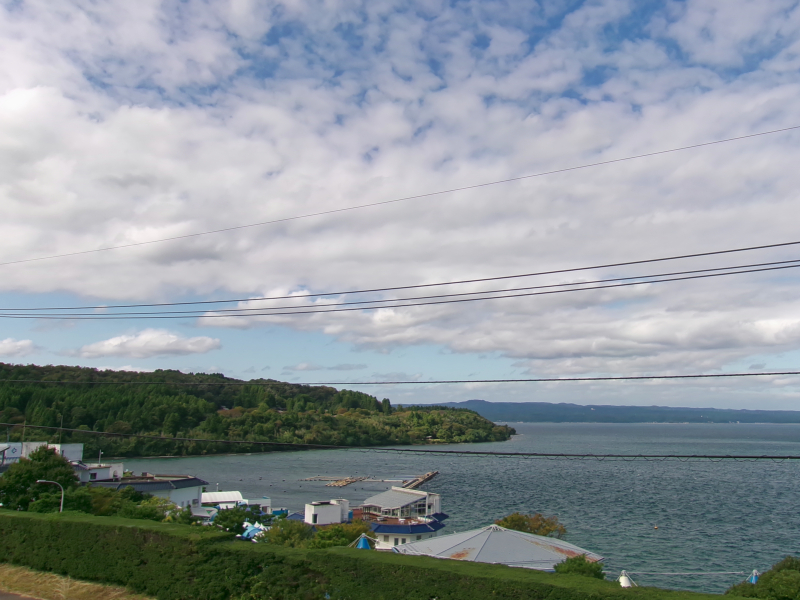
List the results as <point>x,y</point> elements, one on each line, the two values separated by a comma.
<point>232,519</point>
<point>781,582</point>
<point>578,565</point>
<point>536,524</point>
<point>341,534</point>
<point>292,534</point>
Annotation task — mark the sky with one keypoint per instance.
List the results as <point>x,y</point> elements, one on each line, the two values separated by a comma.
<point>129,122</point>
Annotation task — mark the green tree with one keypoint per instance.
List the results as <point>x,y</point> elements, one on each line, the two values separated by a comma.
<point>76,499</point>
<point>340,534</point>
<point>232,519</point>
<point>288,533</point>
<point>18,487</point>
<point>579,565</point>
<point>536,524</point>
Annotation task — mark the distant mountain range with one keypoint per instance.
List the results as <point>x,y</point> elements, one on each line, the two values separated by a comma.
<point>533,412</point>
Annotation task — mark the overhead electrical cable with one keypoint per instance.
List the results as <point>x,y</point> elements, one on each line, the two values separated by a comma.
<point>332,308</point>
<point>414,382</point>
<point>418,286</point>
<point>403,199</point>
<point>457,453</point>
<point>245,311</point>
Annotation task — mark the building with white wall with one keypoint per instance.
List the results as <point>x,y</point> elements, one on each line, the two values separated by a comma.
<point>13,451</point>
<point>91,472</point>
<point>400,516</point>
<point>181,490</point>
<point>328,512</point>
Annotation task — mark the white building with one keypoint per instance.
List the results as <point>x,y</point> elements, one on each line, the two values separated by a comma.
<point>402,503</point>
<point>328,513</point>
<point>227,500</point>
<point>91,472</point>
<point>181,490</point>
<point>400,516</point>
<point>13,451</point>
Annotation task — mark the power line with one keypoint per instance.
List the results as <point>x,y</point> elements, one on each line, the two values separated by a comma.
<point>537,287</point>
<point>458,453</point>
<point>374,305</point>
<point>416,382</point>
<point>423,285</point>
<point>404,199</point>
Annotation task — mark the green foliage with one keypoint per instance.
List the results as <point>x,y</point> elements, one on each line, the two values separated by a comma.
<point>174,562</point>
<point>781,582</point>
<point>265,412</point>
<point>18,487</point>
<point>232,519</point>
<point>578,565</point>
<point>292,534</point>
<point>536,524</point>
<point>341,534</point>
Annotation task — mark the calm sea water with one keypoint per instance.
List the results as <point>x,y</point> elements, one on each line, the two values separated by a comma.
<point>711,516</point>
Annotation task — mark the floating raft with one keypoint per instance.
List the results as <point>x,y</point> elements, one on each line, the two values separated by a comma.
<point>345,481</point>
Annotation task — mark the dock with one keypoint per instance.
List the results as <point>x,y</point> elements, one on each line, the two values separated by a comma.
<point>418,481</point>
<point>410,484</point>
<point>345,481</point>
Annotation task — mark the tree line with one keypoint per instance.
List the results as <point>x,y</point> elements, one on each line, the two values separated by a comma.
<point>171,404</point>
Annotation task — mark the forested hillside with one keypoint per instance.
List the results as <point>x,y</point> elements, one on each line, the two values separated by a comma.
<point>179,405</point>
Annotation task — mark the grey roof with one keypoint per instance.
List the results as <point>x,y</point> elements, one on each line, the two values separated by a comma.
<point>495,544</point>
<point>393,499</point>
<point>150,485</point>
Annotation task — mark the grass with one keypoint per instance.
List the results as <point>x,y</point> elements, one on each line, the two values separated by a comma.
<point>48,586</point>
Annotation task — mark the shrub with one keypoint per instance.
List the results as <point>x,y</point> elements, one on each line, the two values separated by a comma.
<point>578,565</point>
<point>341,534</point>
<point>781,582</point>
<point>536,524</point>
<point>293,534</point>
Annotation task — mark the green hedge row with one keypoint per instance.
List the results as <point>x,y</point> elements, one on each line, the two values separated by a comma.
<point>176,562</point>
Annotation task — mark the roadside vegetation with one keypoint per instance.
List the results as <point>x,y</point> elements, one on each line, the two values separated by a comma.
<point>19,491</point>
<point>174,404</point>
<point>172,562</point>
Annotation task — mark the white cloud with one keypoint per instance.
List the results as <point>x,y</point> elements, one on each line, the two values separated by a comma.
<point>149,343</point>
<point>127,122</point>
<point>12,347</point>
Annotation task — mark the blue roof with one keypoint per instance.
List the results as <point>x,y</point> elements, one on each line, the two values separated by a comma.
<point>411,528</point>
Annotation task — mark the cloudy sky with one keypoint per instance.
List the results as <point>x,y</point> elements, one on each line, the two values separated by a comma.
<point>128,122</point>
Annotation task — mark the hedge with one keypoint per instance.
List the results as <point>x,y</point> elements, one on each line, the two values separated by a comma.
<point>176,562</point>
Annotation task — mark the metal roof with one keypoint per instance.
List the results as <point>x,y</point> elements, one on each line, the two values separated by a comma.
<point>215,497</point>
<point>409,528</point>
<point>151,484</point>
<point>495,544</point>
<point>394,498</point>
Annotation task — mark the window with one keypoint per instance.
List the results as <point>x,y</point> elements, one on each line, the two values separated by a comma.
<point>314,519</point>
<point>396,541</point>
<point>195,502</point>
<point>419,537</point>
<point>92,476</point>
<point>404,540</point>
<point>386,539</point>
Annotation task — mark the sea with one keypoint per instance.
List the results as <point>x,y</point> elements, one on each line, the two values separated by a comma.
<point>672,524</point>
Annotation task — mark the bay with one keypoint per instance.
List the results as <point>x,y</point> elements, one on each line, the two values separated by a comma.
<point>643,516</point>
